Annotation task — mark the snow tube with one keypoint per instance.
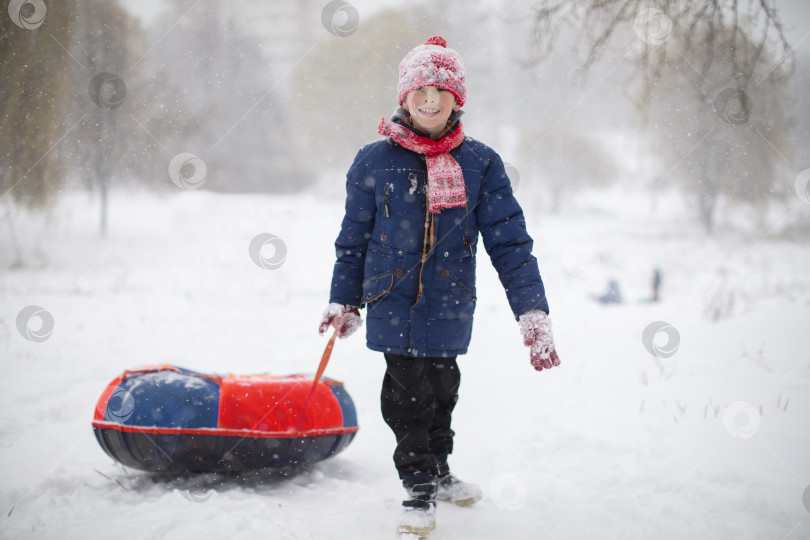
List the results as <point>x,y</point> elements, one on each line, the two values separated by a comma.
<point>172,420</point>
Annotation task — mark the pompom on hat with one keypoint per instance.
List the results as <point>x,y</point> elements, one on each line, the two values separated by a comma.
<point>432,64</point>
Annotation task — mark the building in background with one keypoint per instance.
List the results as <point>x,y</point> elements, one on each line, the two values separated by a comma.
<point>284,32</point>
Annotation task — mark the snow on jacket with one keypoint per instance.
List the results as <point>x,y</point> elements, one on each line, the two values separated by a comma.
<point>414,271</point>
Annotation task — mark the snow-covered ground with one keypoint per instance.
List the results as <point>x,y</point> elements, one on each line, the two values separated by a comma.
<point>711,442</point>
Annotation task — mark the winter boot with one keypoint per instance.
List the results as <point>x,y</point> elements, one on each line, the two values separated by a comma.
<point>453,490</point>
<point>419,511</point>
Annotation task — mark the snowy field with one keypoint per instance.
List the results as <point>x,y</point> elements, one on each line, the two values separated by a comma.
<point>711,442</point>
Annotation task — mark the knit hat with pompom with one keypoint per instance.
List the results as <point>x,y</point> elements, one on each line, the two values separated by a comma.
<point>432,64</point>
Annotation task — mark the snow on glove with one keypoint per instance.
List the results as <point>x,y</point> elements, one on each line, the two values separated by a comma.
<point>536,329</point>
<point>345,318</point>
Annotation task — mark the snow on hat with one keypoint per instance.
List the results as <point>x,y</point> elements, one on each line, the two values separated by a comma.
<point>432,64</point>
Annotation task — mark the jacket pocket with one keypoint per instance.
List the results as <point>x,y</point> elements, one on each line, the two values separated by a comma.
<point>376,287</point>
<point>457,269</point>
<point>461,286</point>
<point>381,260</point>
<point>457,287</point>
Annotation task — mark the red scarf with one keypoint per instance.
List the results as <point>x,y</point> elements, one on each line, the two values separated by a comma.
<point>445,179</point>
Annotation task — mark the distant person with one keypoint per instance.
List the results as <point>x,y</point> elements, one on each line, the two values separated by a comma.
<point>416,202</point>
<point>656,284</point>
<point>613,295</point>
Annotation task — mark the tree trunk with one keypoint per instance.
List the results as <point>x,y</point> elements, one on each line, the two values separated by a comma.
<point>707,205</point>
<point>18,261</point>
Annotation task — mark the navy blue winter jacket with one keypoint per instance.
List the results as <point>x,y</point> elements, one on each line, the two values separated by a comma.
<point>414,271</point>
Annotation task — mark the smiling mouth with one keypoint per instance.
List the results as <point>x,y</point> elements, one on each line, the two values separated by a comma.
<point>428,112</point>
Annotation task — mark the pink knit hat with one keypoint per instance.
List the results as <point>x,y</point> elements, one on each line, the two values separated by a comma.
<point>432,64</point>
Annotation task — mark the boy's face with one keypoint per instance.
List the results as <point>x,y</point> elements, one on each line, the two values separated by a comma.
<point>430,107</point>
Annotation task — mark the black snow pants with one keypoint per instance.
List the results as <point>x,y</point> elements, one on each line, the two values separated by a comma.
<point>418,397</point>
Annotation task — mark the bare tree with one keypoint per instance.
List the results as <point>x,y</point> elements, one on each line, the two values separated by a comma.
<point>101,49</point>
<point>33,87</point>
<point>743,35</point>
<point>715,69</point>
<point>34,83</point>
<point>57,98</point>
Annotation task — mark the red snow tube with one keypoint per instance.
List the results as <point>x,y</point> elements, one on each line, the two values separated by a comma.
<point>173,420</point>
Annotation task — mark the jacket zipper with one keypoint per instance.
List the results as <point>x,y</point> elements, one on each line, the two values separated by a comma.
<point>466,225</point>
<point>428,235</point>
<point>425,252</point>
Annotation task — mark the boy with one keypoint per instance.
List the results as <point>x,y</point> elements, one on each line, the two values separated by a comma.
<point>415,204</point>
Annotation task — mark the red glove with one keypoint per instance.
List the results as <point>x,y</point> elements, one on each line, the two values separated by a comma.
<point>345,318</point>
<point>536,329</point>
